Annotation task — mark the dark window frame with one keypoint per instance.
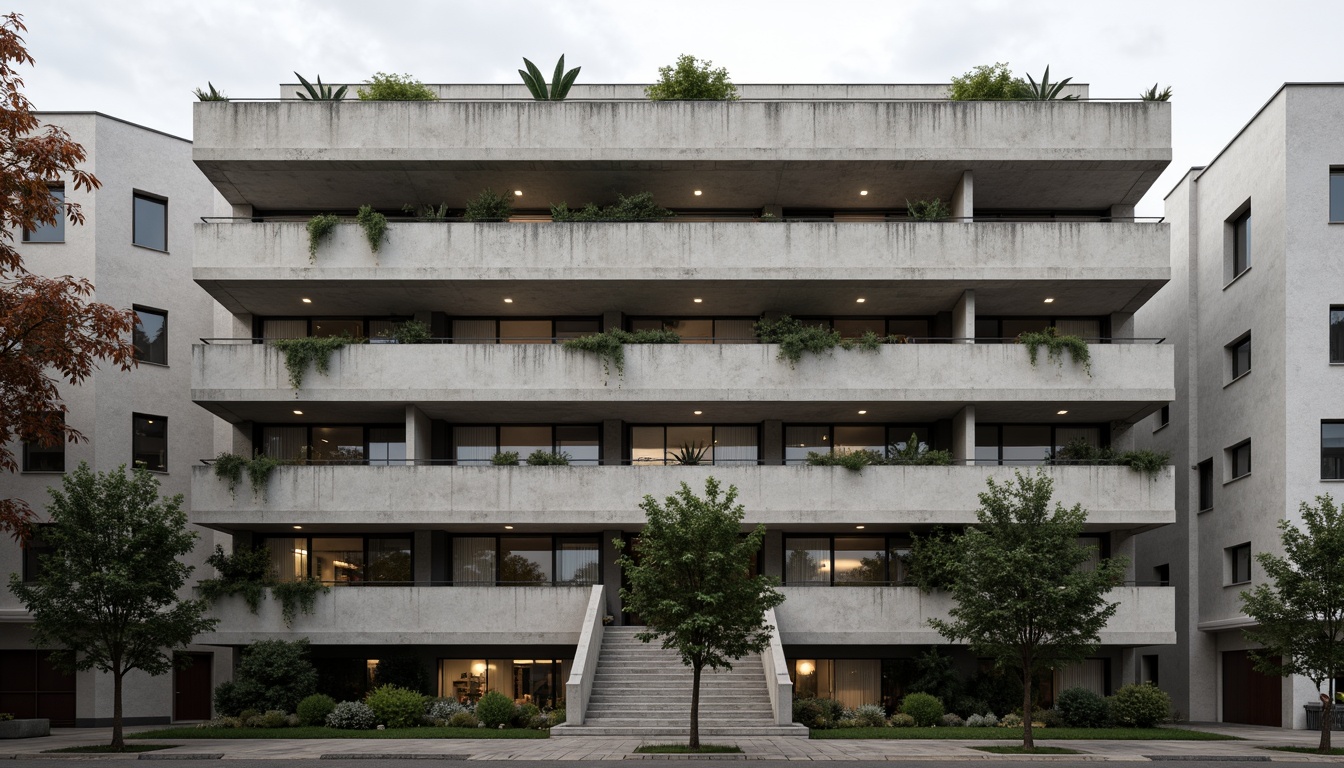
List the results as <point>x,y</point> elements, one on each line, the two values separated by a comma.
<point>259,432</point>
<point>663,319</point>
<point>1335,206</point>
<point>1336,334</point>
<point>1233,452</point>
<point>890,540</point>
<point>153,198</point>
<point>1332,465</point>
<point>1051,321</point>
<point>148,417</point>
<point>33,550</point>
<point>1162,574</point>
<point>556,540</point>
<point>555,446</point>
<point>60,220</point>
<point>1240,242</point>
<point>30,445</point>
<point>1163,417</point>
<point>523,318</point>
<point>259,322</point>
<point>365,537</point>
<point>628,458</point>
<point>138,308</point>
<point>1054,439</point>
<point>1206,491</point>
<point>1233,560</point>
<point>1234,355</point>
<point>830,427</point>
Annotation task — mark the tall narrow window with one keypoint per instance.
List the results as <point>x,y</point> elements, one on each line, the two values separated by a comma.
<point>1239,459</point>
<point>1337,194</point>
<point>1332,450</point>
<point>150,222</point>
<point>1337,334</point>
<point>1240,353</point>
<point>1205,485</point>
<point>150,336</point>
<point>50,233</point>
<point>1239,558</point>
<point>149,442</point>
<point>1241,243</point>
<point>45,455</point>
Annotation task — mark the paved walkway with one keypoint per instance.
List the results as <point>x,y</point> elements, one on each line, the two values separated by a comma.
<point>610,748</point>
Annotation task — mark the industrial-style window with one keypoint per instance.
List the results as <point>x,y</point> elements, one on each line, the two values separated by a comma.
<point>1337,334</point>
<point>1239,563</point>
<point>50,233</point>
<point>1337,195</point>
<point>149,221</point>
<point>1239,459</point>
<point>150,336</point>
<point>41,456</point>
<point>1332,450</point>
<point>149,442</point>
<point>1205,485</point>
<point>1239,352</point>
<point>1241,243</point>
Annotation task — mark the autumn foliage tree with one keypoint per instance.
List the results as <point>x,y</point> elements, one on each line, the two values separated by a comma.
<point>50,330</point>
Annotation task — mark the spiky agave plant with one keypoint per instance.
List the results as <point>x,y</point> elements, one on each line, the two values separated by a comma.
<point>560,81</point>
<point>1046,90</point>
<point>214,95</point>
<point>1152,94</point>
<point>319,93</point>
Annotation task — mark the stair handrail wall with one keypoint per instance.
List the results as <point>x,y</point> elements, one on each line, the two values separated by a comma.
<point>579,687</point>
<point>777,680</point>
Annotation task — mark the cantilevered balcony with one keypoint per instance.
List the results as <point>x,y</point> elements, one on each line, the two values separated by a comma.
<point>315,155</point>
<point>900,616</point>
<point>337,498</point>
<point>901,268</point>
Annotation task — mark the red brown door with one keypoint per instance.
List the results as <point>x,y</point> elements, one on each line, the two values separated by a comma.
<point>1250,697</point>
<point>191,685</point>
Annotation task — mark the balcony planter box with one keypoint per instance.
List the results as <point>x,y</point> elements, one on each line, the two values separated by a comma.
<point>25,729</point>
<point>1314,717</point>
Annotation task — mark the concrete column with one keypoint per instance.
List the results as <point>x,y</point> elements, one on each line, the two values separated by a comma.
<point>611,573</point>
<point>612,320</point>
<point>963,435</point>
<point>613,442</point>
<point>774,553</point>
<point>963,317</point>
<point>1122,325</point>
<point>963,197</point>
<point>1129,666</point>
<point>438,558</point>
<point>233,438</point>
<point>1122,212</point>
<point>419,442</point>
<point>422,551</point>
<point>772,442</point>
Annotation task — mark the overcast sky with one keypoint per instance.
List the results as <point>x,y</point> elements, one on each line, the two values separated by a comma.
<point>140,59</point>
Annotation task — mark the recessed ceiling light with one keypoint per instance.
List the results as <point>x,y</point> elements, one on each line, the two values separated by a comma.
<point>697,413</point>
<point>151,421</point>
<point>858,527</point>
<point>298,527</point>
<point>307,301</point>
<point>1049,301</point>
<point>859,301</point>
<point>298,413</point>
<point>1060,413</point>
<point>863,192</point>
<point>698,193</point>
<point>862,412</point>
<point>508,301</point>
<point>698,301</point>
<point>508,527</point>
<point>517,193</point>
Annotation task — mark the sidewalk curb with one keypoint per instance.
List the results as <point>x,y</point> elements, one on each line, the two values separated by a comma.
<point>391,756</point>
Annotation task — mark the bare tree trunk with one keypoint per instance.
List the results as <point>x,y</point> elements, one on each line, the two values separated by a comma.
<point>695,707</point>
<point>1027,742</point>
<point>1327,720</point>
<point>118,742</point>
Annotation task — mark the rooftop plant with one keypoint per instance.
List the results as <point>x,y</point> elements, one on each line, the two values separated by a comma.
<point>1046,90</point>
<point>560,81</point>
<point>928,210</point>
<point>854,461</point>
<point>488,206</point>
<point>319,227</point>
<point>393,87</point>
<point>988,83</point>
<point>1055,345</point>
<point>1152,94</point>
<point>426,211</point>
<point>374,225</point>
<point>319,92</point>
<point>210,95</point>
<point>692,79</point>
<point>638,207</point>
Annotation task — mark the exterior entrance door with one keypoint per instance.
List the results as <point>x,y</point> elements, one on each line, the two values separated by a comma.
<point>1248,696</point>
<point>191,686</point>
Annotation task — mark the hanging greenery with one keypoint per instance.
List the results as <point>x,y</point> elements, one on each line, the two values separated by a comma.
<point>309,350</point>
<point>374,225</point>
<point>318,228</point>
<point>1055,344</point>
<point>610,345</point>
<point>247,573</point>
<point>229,467</point>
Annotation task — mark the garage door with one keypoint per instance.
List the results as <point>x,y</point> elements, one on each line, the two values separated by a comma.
<point>1249,696</point>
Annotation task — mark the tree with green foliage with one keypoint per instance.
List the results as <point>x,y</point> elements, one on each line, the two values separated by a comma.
<point>692,79</point>
<point>271,675</point>
<point>107,597</point>
<point>1022,596</point>
<point>692,583</point>
<point>1299,612</point>
<point>989,83</point>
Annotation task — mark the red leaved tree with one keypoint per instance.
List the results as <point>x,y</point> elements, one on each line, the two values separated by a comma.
<point>49,331</point>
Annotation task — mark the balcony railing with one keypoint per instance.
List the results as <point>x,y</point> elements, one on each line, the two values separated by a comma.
<point>856,217</point>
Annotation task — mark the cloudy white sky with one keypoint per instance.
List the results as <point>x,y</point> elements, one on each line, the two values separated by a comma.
<point>140,59</point>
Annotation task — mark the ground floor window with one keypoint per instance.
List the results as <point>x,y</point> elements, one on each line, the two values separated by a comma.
<point>31,686</point>
<point>526,681</point>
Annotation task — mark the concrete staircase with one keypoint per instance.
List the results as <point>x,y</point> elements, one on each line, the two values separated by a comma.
<point>641,690</point>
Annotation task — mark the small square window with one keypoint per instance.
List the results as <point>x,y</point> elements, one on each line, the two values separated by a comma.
<point>1206,485</point>
<point>33,552</point>
<point>1332,450</point>
<point>1241,243</point>
<point>1240,353</point>
<point>1337,334</point>
<point>149,442</point>
<point>1337,194</point>
<point>1163,417</point>
<point>1239,459</point>
<point>150,222</point>
<point>1239,562</point>
<point>50,233</point>
<point>40,457</point>
<point>150,336</point>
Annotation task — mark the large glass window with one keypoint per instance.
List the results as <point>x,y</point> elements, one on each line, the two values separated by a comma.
<point>337,561</point>
<point>694,444</point>
<point>802,439</point>
<point>150,336</point>
<point>807,560</point>
<point>846,560</point>
<point>577,561</point>
<point>526,681</point>
<point>525,332</point>
<point>50,233</point>
<point>474,561</point>
<point>860,560</point>
<point>1241,243</point>
<point>476,444</point>
<point>342,560</point>
<point>701,330</point>
<point>338,445</point>
<point>45,455</point>
<point>380,445</point>
<point>1030,443</point>
<point>523,440</point>
<point>34,551</point>
<point>1337,334</point>
<point>150,222</point>
<point>387,445</point>
<point>489,330</point>
<point>1337,194</point>
<point>1332,450</point>
<point>525,560</point>
<point>149,442</point>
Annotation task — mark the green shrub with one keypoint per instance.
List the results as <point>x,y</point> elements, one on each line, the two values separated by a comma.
<point>639,207</point>
<point>352,716</point>
<point>488,206</point>
<point>411,332</point>
<point>928,210</point>
<point>505,459</point>
<point>374,225</point>
<point>463,720</point>
<point>916,453</point>
<point>794,338</point>
<point>314,709</point>
<point>396,707</point>
<point>1050,718</point>
<point>495,709</point>
<point>870,715</point>
<point>854,460</point>
<point>1011,720</point>
<point>214,95</point>
<point>274,718</point>
<point>1082,708</point>
<point>902,720</point>
<point>320,92</point>
<point>273,674</point>
<point>560,81</point>
<point>988,83</point>
<point>952,720</point>
<point>523,714</point>
<point>1140,706</point>
<point>248,714</point>
<point>690,78</point>
<point>925,709</point>
<point>817,713</point>
<point>319,227</point>
<point>557,716</point>
<point>1152,94</point>
<point>609,346</point>
<point>427,211</point>
<point>393,87</point>
<point>541,458</point>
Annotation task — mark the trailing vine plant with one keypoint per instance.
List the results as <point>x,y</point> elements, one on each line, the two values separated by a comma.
<point>374,225</point>
<point>610,345</point>
<point>247,573</point>
<point>318,228</point>
<point>1055,344</point>
<point>300,353</point>
<point>229,467</point>
<point>488,205</point>
<point>1080,452</point>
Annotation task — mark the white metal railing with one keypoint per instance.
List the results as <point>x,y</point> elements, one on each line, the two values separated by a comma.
<point>777,680</point>
<point>580,683</point>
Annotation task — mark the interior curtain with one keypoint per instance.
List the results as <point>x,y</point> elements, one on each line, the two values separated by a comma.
<point>735,445</point>
<point>474,445</point>
<point>474,332</point>
<point>858,682</point>
<point>284,443</point>
<point>284,329</point>
<point>289,558</point>
<point>1086,328</point>
<point>1090,674</point>
<point>473,560</point>
<point>734,331</point>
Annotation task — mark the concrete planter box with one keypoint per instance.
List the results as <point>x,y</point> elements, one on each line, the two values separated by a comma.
<point>25,729</point>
